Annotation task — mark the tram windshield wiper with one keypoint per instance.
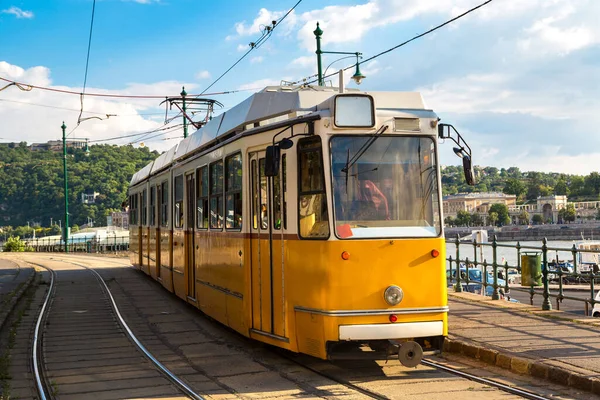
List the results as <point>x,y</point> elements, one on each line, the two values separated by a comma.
<point>363,149</point>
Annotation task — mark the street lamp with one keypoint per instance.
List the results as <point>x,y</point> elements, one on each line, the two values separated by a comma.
<point>87,153</point>
<point>357,77</point>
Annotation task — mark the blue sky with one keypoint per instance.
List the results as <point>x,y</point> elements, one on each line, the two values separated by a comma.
<point>520,79</point>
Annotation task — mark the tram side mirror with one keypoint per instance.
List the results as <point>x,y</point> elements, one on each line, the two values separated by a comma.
<point>468,170</point>
<point>286,144</point>
<point>272,160</point>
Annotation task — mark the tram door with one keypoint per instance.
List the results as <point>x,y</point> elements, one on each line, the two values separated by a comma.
<point>190,265</point>
<point>268,315</point>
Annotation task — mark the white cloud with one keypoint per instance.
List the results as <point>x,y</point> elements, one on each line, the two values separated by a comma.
<point>256,60</point>
<point>202,75</point>
<point>304,61</point>
<point>51,109</point>
<point>17,12</point>
<point>243,47</point>
<point>263,20</point>
<point>259,84</point>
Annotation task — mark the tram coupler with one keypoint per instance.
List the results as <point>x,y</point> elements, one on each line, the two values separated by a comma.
<point>410,354</point>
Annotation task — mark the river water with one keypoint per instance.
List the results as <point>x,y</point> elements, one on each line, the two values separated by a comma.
<point>510,255</point>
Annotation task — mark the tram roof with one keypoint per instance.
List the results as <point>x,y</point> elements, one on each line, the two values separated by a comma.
<point>270,105</point>
<point>275,103</point>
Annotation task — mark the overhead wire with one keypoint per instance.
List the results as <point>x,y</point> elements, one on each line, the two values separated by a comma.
<point>87,62</point>
<point>266,34</point>
<point>407,41</point>
<point>28,87</point>
<point>163,128</point>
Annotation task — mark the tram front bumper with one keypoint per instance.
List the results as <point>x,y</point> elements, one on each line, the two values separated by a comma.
<point>406,330</point>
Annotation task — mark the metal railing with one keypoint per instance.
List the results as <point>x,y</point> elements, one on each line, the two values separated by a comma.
<point>555,273</point>
<point>113,244</point>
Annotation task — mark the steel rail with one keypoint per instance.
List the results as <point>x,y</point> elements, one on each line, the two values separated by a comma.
<point>505,388</point>
<point>171,376</point>
<point>36,335</point>
<point>366,392</point>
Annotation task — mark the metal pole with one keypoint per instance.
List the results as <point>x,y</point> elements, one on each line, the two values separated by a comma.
<point>458,284</point>
<point>66,232</point>
<point>185,131</point>
<point>546,305</point>
<point>318,32</point>
<point>495,293</point>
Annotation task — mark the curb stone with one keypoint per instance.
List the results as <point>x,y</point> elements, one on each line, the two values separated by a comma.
<point>15,299</point>
<point>523,366</point>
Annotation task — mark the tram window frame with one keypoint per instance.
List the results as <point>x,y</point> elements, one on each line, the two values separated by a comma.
<point>233,191</point>
<point>144,219</point>
<point>152,221</point>
<point>312,144</point>
<point>178,183</point>
<point>277,201</point>
<point>216,195</point>
<point>164,204</point>
<point>254,193</point>
<point>202,185</point>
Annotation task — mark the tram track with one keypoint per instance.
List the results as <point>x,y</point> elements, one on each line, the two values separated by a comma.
<point>93,338</point>
<point>354,379</point>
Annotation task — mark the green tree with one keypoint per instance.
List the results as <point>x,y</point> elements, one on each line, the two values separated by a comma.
<point>493,217</point>
<point>15,244</point>
<point>463,218</point>
<point>524,218</point>
<point>537,219</point>
<point>449,221</point>
<point>514,186</point>
<point>476,220</point>
<point>561,188</point>
<point>501,211</point>
<point>568,213</point>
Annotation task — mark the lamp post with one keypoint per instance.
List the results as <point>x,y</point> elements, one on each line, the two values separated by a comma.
<point>87,153</point>
<point>66,231</point>
<point>358,76</point>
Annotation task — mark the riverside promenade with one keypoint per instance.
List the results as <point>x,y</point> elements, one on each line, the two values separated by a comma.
<point>551,345</point>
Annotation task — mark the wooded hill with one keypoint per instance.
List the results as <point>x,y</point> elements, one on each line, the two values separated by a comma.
<point>525,185</point>
<point>32,185</point>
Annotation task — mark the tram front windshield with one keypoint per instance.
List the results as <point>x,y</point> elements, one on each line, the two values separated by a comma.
<point>390,190</point>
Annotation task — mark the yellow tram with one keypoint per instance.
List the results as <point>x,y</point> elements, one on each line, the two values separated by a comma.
<point>307,219</point>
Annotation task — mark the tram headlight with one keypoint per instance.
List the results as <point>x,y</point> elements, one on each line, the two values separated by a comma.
<point>393,295</point>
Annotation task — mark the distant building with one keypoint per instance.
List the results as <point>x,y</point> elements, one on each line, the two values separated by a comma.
<point>479,203</point>
<point>546,206</point>
<point>118,220</point>
<point>89,198</point>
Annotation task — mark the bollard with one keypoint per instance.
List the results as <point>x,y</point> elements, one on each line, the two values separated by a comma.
<point>546,305</point>
<point>495,294</point>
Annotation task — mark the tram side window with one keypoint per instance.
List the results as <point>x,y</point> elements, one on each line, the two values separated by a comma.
<point>133,209</point>
<point>233,198</point>
<point>164,203</point>
<point>152,205</point>
<point>279,197</point>
<point>216,195</point>
<point>312,207</point>
<point>202,198</point>
<point>145,207</point>
<point>178,212</point>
